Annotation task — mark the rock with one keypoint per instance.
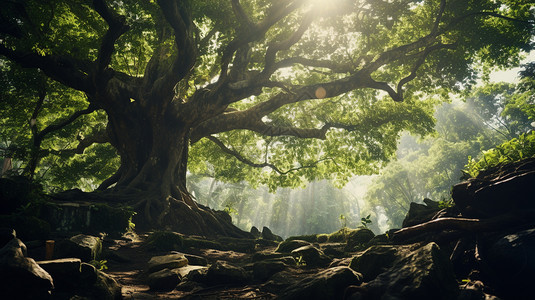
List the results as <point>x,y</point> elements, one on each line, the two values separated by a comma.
<point>358,238</point>
<point>311,238</point>
<point>85,247</point>
<point>374,261</point>
<point>288,246</point>
<point>313,256</point>
<point>197,275</point>
<point>184,271</point>
<point>380,239</point>
<point>170,261</point>
<point>416,273</point>
<point>78,280</point>
<point>327,284</point>
<point>281,281</point>
<point>333,249</point>
<point>224,273</point>
<point>513,259</point>
<point>237,244</point>
<point>193,259</point>
<point>164,280</point>
<point>420,213</point>
<point>263,255</point>
<point>255,232</point>
<point>165,241</point>
<point>6,235</point>
<point>497,191</point>
<point>65,271</point>
<point>21,277</point>
<point>105,288</point>
<point>268,235</point>
<point>263,270</point>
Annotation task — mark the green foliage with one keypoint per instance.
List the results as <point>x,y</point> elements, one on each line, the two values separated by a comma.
<point>365,221</point>
<point>100,264</point>
<point>511,151</point>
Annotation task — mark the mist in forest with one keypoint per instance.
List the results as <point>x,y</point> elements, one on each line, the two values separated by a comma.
<point>422,168</point>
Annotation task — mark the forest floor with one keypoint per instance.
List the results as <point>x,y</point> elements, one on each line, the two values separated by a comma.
<point>135,256</point>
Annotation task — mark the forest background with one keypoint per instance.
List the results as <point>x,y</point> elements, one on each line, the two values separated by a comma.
<point>474,120</point>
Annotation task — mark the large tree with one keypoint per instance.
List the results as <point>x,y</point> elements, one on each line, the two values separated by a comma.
<point>345,77</point>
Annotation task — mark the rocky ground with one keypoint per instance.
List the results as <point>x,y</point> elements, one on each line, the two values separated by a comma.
<point>482,247</point>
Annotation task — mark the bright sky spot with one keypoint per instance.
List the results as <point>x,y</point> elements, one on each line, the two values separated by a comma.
<point>511,75</point>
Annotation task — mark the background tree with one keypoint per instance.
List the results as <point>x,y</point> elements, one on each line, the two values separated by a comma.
<point>428,168</point>
<point>297,89</point>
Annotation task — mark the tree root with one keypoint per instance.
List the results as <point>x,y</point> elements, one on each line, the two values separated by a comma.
<point>464,224</point>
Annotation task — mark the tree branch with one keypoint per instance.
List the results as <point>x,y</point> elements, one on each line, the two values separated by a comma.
<point>99,137</point>
<point>178,15</point>
<point>67,70</point>
<point>116,27</point>
<point>248,162</point>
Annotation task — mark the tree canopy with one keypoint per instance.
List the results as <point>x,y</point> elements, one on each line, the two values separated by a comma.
<point>275,92</point>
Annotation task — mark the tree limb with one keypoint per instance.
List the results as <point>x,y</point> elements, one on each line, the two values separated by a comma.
<point>99,137</point>
<point>248,162</point>
<point>116,27</point>
<point>67,70</point>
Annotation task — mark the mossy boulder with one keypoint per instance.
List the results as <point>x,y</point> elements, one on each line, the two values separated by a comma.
<point>312,238</point>
<point>165,241</point>
<point>85,247</point>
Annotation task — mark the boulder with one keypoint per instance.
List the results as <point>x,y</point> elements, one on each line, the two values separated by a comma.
<point>21,277</point>
<point>420,213</point>
<point>78,280</point>
<point>358,238</point>
<point>288,246</point>
<point>224,273</point>
<point>513,260</point>
<point>497,191</point>
<point>170,261</point>
<point>268,235</point>
<point>193,259</point>
<point>416,273</point>
<point>85,247</point>
<point>184,271</point>
<point>312,256</point>
<point>105,288</point>
<point>65,271</point>
<point>164,280</point>
<point>263,270</point>
<point>165,241</point>
<point>327,284</point>
<point>255,232</point>
<point>374,261</point>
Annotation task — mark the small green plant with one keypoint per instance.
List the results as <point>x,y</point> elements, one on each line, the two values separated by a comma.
<point>100,264</point>
<point>343,221</point>
<point>446,203</point>
<point>300,261</point>
<point>365,221</point>
<point>131,225</point>
<point>230,210</point>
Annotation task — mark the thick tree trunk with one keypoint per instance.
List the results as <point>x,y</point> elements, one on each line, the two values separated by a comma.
<point>152,176</point>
